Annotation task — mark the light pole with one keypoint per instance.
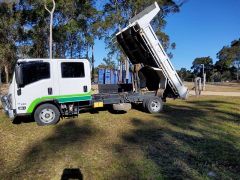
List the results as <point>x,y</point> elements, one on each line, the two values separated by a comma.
<point>204,78</point>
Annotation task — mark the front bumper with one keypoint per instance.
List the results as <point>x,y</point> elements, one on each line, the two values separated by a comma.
<point>7,107</point>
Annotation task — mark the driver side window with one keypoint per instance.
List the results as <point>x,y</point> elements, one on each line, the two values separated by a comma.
<point>33,72</point>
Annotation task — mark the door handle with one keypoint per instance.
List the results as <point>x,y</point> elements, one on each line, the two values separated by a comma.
<point>49,91</point>
<point>85,89</point>
<point>19,92</point>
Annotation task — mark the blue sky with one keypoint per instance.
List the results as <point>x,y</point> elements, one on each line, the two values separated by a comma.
<point>201,28</point>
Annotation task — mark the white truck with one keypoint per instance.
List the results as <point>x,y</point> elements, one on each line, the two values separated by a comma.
<point>50,89</point>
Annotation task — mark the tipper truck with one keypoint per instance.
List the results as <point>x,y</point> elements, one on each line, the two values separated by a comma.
<point>51,89</point>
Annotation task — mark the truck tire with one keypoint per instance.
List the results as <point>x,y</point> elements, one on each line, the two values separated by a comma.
<point>46,114</point>
<point>145,103</point>
<point>122,107</point>
<point>154,105</point>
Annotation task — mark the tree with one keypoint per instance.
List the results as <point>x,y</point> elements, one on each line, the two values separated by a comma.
<point>76,25</point>
<point>118,12</point>
<point>229,56</point>
<point>108,64</point>
<point>8,34</point>
<point>185,74</point>
<point>235,46</point>
<point>198,67</point>
<point>34,27</point>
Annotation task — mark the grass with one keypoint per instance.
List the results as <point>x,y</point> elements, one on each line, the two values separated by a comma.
<point>194,139</point>
<point>221,87</point>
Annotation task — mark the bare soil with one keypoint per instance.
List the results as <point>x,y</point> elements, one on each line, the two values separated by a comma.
<point>220,87</point>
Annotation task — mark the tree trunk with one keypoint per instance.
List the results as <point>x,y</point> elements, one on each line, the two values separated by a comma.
<point>0,76</point>
<point>120,73</point>
<point>92,63</point>
<point>71,47</point>
<point>6,73</point>
<point>87,53</point>
<point>238,66</point>
<point>127,71</point>
<point>51,24</point>
<point>63,51</point>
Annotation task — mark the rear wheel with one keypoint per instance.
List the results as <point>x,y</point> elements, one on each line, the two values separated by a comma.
<point>46,114</point>
<point>154,105</point>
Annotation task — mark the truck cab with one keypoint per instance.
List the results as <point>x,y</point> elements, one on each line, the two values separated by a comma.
<point>37,81</point>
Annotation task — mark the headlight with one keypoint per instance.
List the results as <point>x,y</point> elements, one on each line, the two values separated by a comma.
<point>10,100</point>
<point>5,98</point>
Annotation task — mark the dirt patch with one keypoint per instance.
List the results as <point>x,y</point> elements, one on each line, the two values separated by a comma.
<point>218,87</point>
<point>4,89</point>
<point>212,93</point>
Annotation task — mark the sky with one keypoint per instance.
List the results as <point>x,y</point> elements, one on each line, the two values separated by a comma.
<point>201,28</point>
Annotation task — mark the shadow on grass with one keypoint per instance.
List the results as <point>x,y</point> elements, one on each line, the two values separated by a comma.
<point>221,114</point>
<point>105,108</point>
<point>29,119</point>
<point>179,155</point>
<point>186,151</point>
<point>211,103</point>
<point>183,116</point>
<point>73,173</point>
<point>62,146</point>
<point>23,119</point>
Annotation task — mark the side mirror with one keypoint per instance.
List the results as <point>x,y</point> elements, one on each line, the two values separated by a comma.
<point>19,76</point>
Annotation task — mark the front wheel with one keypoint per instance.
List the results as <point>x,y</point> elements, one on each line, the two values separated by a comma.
<point>46,114</point>
<point>154,105</point>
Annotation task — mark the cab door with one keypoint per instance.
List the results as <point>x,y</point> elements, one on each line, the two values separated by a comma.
<point>74,80</point>
<point>37,85</point>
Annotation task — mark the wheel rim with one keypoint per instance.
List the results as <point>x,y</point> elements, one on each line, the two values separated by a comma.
<point>47,115</point>
<point>155,106</point>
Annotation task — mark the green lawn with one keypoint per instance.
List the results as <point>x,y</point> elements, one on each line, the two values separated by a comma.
<point>194,139</point>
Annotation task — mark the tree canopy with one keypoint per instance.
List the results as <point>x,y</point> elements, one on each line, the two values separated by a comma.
<point>226,67</point>
<point>229,58</point>
<point>24,27</point>
<point>198,63</point>
<point>117,13</point>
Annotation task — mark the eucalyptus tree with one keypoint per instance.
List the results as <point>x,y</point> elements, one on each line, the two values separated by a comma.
<point>8,34</point>
<point>34,22</point>
<point>118,12</point>
<point>201,64</point>
<point>229,58</point>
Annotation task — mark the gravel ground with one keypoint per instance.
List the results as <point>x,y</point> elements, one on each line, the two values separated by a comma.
<point>212,93</point>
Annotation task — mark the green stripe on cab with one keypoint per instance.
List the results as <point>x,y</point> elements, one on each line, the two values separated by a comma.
<point>74,99</point>
<point>60,99</point>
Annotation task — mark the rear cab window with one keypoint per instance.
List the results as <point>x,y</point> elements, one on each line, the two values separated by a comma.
<point>72,70</point>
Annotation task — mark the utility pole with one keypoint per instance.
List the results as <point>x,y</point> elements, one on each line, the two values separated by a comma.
<point>51,24</point>
<point>204,78</point>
